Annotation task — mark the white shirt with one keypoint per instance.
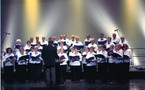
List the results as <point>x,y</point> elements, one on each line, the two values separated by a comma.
<point>120,52</point>
<point>35,54</point>
<point>19,55</point>
<point>75,63</point>
<point>89,55</point>
<point>64,60</point>
<point>7,60</point>
<point>87,40</point>
<point>129,54</point>
<point>93,45</point>
<point>102,41</point>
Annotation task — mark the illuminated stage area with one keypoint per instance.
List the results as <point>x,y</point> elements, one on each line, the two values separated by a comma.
<point>30,18</point>
<point>26,23</point>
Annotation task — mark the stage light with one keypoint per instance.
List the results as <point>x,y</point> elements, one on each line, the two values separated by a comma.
<point>31,17</point>
<point>101,17</point>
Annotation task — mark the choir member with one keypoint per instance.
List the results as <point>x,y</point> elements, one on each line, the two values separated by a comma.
<point>62,46</point>
<point>32,41</point>
<point>127,55</point>
<point>102,63</point>
<point>75,64</point>
<point>111,64</point>
<point>44,42</point>
<point>38,45</point>
<point>65,40</point>
<point>72,40</point>
<point>9,65</point>
<point>115,39</point>
<point>22,62</point>
<point>102,40</point>
<point>93,44</point>
<point>91,66</point>
<point>78,43</point>
<point>35,64</point>
<point>87,41</point>
<point>118,57</point>
<point>18,45</point>
<point>55,42</point>
<point>27,47</point>
<point>109,43</point>
<point>37,39</point>
<point>123,40</point>
<point>63,58</point>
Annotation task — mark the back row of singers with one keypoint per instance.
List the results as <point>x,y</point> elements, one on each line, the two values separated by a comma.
<point>74,41</point>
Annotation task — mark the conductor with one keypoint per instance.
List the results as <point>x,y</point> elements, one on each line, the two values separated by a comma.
<point>49,54</point>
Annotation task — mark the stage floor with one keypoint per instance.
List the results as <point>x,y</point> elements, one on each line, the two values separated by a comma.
<point>134,84</point>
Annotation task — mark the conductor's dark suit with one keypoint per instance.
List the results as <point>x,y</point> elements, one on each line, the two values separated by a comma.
<point>49,54</point>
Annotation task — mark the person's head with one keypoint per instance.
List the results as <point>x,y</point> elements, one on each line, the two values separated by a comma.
<point>64,36</point>
<point>73,37</point>
<point>114,35</point>
<point>43,39</point>
<point>38,44</point>
<point>92,40</point>
<point>61,37</point>
<point>35,48</point>
<point>21,49</point>
<point>111,48</point>
<point>88,36</point>
<point>37,38</point>
<point>77,39</point>
<point>9,50</point>
<point>91,49</point>
<point>86,49</point>
<point>18,41</point>
<point>31,39</point>
<point>28,43</point>
<point>54,38</point>
<point>101,35</point>
<point>122,38</point>
<point>118,47</point>
<point>61,43</point>
<point>109,39</point>
<point>125,47</point>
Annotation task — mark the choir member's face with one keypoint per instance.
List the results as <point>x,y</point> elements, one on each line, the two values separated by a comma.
<point>88,36</point>
<point>122,38</point>
<point>114,36</point>
<point>9,51</point>
<point>31,39</point>
<point>93,41</point>
<point>43,38</point>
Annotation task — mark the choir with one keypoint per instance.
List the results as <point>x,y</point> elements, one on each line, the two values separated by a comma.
<point>110,57</point>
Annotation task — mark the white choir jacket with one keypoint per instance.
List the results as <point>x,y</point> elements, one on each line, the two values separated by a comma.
<point>64,60</point>
<point>93,45</point>
<point>129,54</point>
<point>34,55</point>
<point>102,53</point>
<point>8,63</point>
<point>75,63</point>
<point>120,52</point>
<point>18,57</point>
<point>89,55</point>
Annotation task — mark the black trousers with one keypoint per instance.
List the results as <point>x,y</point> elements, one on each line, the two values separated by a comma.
<point>111,72</point>
<point>8,74</point>
<point>125,73</point>
<point>90,73</point>
<point>21,73</point>
<point>102,70</point>
<point>34,72</point>
<point>75,72</point>
<point>62,74</point>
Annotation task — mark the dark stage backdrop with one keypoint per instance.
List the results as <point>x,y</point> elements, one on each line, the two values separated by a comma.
<point>30,18</point>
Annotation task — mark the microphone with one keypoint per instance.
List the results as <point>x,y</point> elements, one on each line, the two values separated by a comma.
<point>116,30</point>
<point>7,33</point>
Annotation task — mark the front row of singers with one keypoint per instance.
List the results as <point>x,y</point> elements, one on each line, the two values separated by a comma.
<point>112,64</point>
